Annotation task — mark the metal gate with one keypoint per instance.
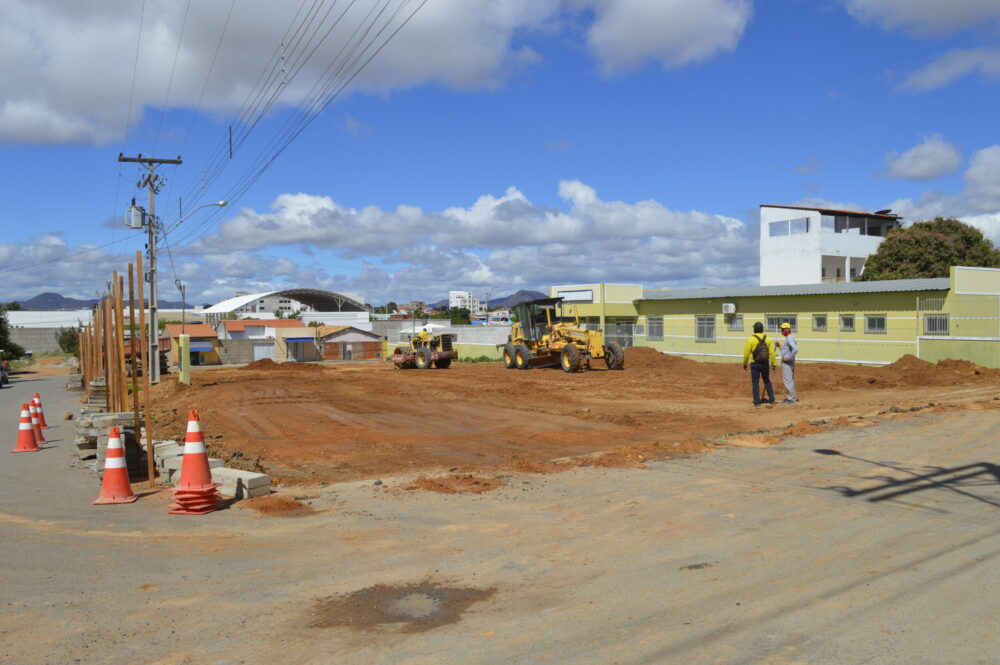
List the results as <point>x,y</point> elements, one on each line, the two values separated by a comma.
<point>621,332</point>
<point>261,351</point>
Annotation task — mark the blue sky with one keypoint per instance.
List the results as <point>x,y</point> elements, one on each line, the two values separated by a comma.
<point>492,145</point>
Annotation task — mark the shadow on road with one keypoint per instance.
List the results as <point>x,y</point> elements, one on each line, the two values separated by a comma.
<point>954,479</point>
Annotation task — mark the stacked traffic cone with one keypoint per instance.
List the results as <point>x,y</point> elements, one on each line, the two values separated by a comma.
<point>195,494</point>
<point>25,433</point>
<point>37,399</point>
<point>115,487</point>
<point>35,425</point>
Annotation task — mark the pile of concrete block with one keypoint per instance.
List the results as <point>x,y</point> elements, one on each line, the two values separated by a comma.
<point>169,457</point>
<point>92,428</point>
<point>74,382</point>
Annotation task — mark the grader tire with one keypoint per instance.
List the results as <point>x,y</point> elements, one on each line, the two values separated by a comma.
<point>523,357</point>
<point>570,359</point>
<point>614,355</point>
<point>509,360</point>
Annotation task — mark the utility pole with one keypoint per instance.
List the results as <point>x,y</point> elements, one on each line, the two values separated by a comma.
<point>153,182</point>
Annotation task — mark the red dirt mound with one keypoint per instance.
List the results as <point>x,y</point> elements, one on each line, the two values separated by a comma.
<point>263,363</point>
<point>908,363</point>
<point>963,367</point>
<point>803,427</point>
<point>275,504</point>
<point>464,483</point>
<point>646,357</point>
<point>299,367</point>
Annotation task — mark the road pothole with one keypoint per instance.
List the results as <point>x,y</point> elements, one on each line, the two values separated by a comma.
<point>412,608</point>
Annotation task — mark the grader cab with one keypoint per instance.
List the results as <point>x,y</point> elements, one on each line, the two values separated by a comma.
<point>542,338</point>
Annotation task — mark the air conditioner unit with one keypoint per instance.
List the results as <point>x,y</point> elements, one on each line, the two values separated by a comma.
<point>728,308</point>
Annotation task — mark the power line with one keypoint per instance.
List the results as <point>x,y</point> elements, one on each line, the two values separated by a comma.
<point>330,86</point>
<point>173,68</point>
<point>66,256</point>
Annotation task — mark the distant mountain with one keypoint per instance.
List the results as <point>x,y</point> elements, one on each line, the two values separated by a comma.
<point>515,298</point>
<point>49,302</point>
<point>506,301</point>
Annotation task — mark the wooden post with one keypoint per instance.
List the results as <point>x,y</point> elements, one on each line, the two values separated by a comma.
<point>109,376</point>
<point>120,339</point>
<point>145,372</point>
<point>135,375</point>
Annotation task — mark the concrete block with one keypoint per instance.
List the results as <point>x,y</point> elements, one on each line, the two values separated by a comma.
<point>248,479</point>
<point>241,492</point>
<point>86,453</point>
<point>177,462</point>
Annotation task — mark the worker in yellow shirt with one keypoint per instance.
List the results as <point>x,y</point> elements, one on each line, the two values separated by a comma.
<point>759,353</point>
<point>423,335</point>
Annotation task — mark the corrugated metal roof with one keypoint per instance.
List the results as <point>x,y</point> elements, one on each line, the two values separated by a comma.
<point>881,286</point>
<point>835,211</point>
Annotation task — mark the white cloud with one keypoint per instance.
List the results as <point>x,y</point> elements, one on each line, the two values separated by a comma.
<point>930,204</point>
<point>628,33</point>
<point>925,17</point>
<point>932,158</point>
<point>952,66</point>
<point>982,180</point>
<point>67,66</point>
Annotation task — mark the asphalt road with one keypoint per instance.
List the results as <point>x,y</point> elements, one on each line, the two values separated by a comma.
<point>880,549</point>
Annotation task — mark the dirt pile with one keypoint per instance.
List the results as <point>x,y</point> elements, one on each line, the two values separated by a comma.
<point>648,358</point>
<point>465,483</point>
<point>276,505</point>
<point>262,364</point>
<point>268,365</point>
<point>803,427</point>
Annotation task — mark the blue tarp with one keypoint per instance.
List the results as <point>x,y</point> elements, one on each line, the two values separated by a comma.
<point>201,346</point>
<point>300,339</point>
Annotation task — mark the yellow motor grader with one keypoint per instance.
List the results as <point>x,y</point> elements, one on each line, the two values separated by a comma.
<point>541,339</point>
<point>426,352</point>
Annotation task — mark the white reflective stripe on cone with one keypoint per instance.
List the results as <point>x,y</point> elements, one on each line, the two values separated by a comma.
<point>194,426</point>
<point>194,448</point>
<point>114,444</point>
<point>114,463</point>
<point>24,426</point>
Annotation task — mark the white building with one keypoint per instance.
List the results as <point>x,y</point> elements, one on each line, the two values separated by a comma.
<point>271,304</point>
<point>814,245</point>
<point>460,299</point>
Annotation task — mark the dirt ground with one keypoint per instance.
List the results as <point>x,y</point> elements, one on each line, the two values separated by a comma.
<point>311,424</point>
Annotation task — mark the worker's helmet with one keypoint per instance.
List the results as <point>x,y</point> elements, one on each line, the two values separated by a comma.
<point>786,326</point>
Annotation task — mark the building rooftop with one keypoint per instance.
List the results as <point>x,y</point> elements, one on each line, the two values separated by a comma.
<point>241,324</point>
<point>192,329</point>
<point>880,286</point>
<point>832,211</point>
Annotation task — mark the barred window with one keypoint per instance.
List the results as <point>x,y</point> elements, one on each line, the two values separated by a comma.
<point>654,328</point>
<point>704,328</point>
<point>774,322</point>
<point>819,322</point>
<point>735,322</point>
<point>847,323</point>
<point>874,324</point>
<point>935,324</point>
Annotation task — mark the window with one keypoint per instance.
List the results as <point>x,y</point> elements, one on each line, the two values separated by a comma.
<point>827,224</point>
<point>774,322</point>
<point>819,322</point>
<point>704,328</point>
<point>654,328</point>
<point>778,228</point>
<point>874,324</point>
<point>735,322</point>
<point>847,323</point>
<point>935,324</point>
<point>799,225</point>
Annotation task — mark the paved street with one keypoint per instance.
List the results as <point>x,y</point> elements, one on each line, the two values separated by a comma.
<point>859,545</point>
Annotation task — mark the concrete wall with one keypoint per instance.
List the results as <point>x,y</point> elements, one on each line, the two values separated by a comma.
<point>236,351</point>
<point>37,340</point>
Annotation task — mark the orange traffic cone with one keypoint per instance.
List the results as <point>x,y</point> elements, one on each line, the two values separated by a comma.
<point>115,487</point>
<point>37,399</point>
<point>195,493</point>
<point>39,437</point>
<point>25,433</point>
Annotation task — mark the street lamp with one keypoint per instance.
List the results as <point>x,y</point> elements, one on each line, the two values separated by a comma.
<point>221,204</point>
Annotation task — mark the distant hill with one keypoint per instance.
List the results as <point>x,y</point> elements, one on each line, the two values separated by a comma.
<point>506,301</point>
<point>49,302</point>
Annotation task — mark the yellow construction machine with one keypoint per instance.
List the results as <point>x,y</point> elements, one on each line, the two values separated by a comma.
<point>540,338</point>
<point>425,352</point>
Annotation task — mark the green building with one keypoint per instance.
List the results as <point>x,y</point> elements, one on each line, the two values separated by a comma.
<point>850,322</point>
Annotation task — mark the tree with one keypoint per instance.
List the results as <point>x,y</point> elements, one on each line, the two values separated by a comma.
<point>69,341</point>
<point>8,349</point>
<point>929,249</point>
<point>13,306</point>
<point>390,307</point>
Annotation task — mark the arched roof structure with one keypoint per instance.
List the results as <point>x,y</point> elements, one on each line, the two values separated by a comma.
<point>318,299</point>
